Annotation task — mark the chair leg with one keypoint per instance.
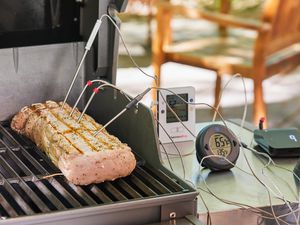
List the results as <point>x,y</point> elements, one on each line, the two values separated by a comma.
<point>217,89</point>
<point>259,106</point>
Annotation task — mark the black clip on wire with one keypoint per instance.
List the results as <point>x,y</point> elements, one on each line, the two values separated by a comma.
<point>132,103</point>
<point>136,100</point>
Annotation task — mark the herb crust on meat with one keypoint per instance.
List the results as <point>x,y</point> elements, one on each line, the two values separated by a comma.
<point>72,147</point>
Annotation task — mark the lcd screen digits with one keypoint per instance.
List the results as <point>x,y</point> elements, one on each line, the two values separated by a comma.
<point>220,144</point>
<point>178,106</point>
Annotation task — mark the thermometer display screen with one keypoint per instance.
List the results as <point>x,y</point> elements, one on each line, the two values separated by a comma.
<point>220,144</point>
<point>178,106</point>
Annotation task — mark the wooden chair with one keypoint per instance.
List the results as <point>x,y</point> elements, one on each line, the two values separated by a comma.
<point>274,50</point>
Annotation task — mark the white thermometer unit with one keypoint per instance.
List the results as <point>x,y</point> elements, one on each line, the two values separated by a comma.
<point>186,112</point>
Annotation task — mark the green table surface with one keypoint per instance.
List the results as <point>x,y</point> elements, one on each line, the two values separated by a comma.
<point>235,185</point>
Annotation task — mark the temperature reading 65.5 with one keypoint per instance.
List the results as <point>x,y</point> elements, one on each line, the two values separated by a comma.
<point>217,147</point>
<point>220,141</point>
<point>220,144</point>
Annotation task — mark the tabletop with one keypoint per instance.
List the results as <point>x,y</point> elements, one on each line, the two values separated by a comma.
<point>236,185</point>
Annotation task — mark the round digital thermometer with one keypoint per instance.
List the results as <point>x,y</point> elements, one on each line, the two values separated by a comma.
<point>217,140</point>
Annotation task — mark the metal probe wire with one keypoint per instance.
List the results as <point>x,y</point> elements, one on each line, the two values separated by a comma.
<point>109,122</point>
<point>95,91</point>
<point>75,77</point>
<point>89,83</point>
<point>78,99</point>
<point>132,103</point>
<point>115,116</point>
<point>154,77</point>
<point>87,48</point>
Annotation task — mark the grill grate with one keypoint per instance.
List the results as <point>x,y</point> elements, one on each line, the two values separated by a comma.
<point>22,192</point>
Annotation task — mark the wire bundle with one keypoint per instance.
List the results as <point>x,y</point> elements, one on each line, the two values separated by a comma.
<point>277,193</point>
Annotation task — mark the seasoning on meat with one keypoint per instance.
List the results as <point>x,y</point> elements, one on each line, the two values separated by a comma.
<point>72,147</point>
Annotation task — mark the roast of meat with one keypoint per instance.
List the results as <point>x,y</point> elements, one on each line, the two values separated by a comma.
<point>72,147</point>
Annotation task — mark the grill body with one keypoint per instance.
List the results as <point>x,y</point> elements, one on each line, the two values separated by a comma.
<point>31,74</point>
<point>27,198</point>
<point>150,194</point>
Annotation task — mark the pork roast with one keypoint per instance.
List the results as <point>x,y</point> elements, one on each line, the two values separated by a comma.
<point>72,147</point>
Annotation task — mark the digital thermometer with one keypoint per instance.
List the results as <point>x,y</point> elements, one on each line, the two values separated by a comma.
<point>217,140</point>
<point>176,98</point>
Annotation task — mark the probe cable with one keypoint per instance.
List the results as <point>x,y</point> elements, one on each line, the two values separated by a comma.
<point>212,156</point>
<point>241,126</point>
<point>270,159</point>
<point>245,95</point>
<point>127,50</point>
<point>263,184</point>
<point>167,155</point>
<point>231,202</point>
<point>132,103</point>
<point>88,84</point>
<point>141,69</point>
<point>88,46</point>
<point>250,166</point>
<point>208,219</point>
<point>247,161</point>
<point>271,162</point>
<point>179,153</point>
<point>276,187</point>
<point>268,189</point>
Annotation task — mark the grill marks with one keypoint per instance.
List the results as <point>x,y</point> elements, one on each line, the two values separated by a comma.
<point>70,132</point>
<point>78,141</point>
<point>73,132</point>
<point>44,112</point>
<point>90,126</point>
<point>80,136</point>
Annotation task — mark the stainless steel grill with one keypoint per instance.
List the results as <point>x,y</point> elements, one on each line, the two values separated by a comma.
<point>31,74</point>
<point>23,191</point>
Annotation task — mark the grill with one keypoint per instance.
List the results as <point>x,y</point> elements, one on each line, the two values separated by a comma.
<point>24,191</point>
<point>151,194</point>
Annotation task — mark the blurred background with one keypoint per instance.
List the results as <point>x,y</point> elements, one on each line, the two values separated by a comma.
<point>139,27</point>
